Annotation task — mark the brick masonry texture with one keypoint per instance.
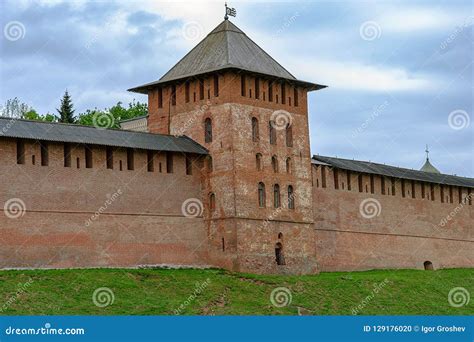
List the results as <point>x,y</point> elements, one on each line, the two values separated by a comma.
<point>98,217</point>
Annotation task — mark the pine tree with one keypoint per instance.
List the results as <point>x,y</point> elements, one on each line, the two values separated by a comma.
<point>66,111</point>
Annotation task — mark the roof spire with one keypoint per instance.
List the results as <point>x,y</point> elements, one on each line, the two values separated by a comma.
<point>427,153</point>
<point>229,11</point>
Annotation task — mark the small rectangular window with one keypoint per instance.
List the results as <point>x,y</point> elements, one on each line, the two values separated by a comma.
<point>283,93</point>
<point>270,91</point>
<point>361,187</point>
<point>78,163</point>
<point>169,162</point>
<point>173,95</point>
<point>382,185</point>
<point>243,85</point>
<point>67,155</point>
<point>432,191</point>
<point>441,193</point>
<point>130,159</point>
<point>150,161</point>
<point>393,186</point>
<point>186,91</point>
<point>295,96</point>
<point>110,157</point>
<point>257,88</point>
<point>20,151</point>
<point>216,85</point>
<point>422,190</point>
<point>160,97</point>
<point>88,156</point>
<point>372,185</point>
<point>403,188</point>
<point>189,165</point>
<point>44,153</point>
<point>450,194</point>
<point>201,89</point>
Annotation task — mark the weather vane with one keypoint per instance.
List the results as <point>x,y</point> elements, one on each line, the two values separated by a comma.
<point>229,11</point>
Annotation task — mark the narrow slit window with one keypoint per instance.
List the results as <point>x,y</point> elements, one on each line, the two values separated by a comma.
<point>283,93</point>
<point>255,130</point>
<point>186,91</point>
<point>88,156</point>
<point>216,85</point>
<point>272,133</point>
<point>372,184</point>
<point>169,162</point>
<point>44,153</point>
<point>295,96</point>
<point>348,175</point>
<point>289,135</point>
<point>291,198</point>
<point>160,97</point>
<point>130,159</point>
<point>201,89</point>
<point>323,176</point>
<point>336,179</point>
<point>150,156</point>
<point>208,130</point>
<point>382,184</point>
<point>189,165</point>
<point>413,189</point>
<point>173,95</point>
<point>276,196</point>
<point>261,195</point>
<point>243,86</point>
<point>20,151</point>
<point>78,163</point>
<point>110,158</point>
<point>270,91</point>
<point>257,88</point>
<point>67,155</point>
<point>361,187</point>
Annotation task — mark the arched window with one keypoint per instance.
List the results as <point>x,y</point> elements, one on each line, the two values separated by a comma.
<point>276,196</point>
<point>428,265</point>
<point>261,195</point>
<point>255,133</point>
<point>209,164</point>
<point>212,201</point>
<point>289,135</point>
<point>258,159</point>
<point>291,198</point>
<point>272,132</point>
<point>288,165</point>
<point>275,164</point>
<point>279,258</point>
<point>208,130</point>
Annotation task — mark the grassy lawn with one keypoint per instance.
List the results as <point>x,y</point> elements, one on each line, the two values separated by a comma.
<point>218,292</point>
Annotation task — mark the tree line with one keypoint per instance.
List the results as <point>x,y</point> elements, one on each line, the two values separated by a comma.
<point>14,108</point>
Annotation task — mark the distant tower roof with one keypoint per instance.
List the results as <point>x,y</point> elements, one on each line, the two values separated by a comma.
<point>428,167</point>
<point>226,47</point>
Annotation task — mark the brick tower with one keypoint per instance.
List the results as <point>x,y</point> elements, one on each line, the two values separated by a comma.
<point>251,114</point>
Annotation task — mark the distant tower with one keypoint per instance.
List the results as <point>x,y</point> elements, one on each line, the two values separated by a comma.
<point>428,167</point>
<point>251,114</point>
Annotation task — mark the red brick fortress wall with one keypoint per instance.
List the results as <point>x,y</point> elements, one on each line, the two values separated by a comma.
<point>96,217</point>
<point>360,230</point>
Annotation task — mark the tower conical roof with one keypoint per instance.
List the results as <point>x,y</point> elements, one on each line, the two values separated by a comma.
<point>428,167</point>
<point>226,47</point>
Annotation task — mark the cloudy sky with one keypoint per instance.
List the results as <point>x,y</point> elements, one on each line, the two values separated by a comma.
<point>400,74</point>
